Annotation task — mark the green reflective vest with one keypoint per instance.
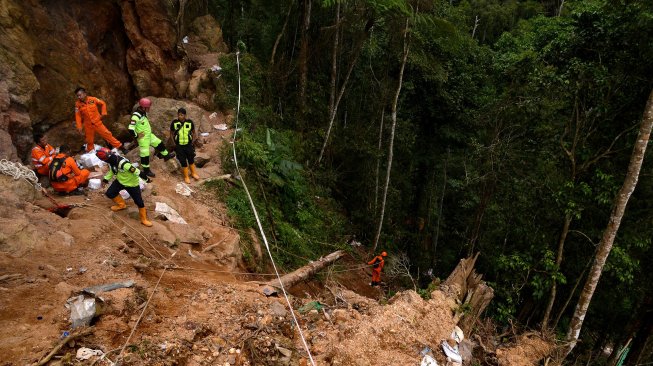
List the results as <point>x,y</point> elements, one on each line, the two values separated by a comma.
<point>182,131</point>
<point>140,124</point>
<point>125,172</point>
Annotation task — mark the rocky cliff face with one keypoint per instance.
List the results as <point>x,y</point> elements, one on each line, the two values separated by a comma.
<point>119,50</point>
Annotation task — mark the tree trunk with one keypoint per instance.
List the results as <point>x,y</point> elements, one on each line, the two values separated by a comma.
<point>552,293</point>
<point>334,110</point>
<point>378,162</point>
<point>291,279</point>
<point>334,61</point>
<point>303,55</point>
<point>618,209</point>
<point>283,30</point>
<point>571,295</point>
<point>472,292</point>
<point>441,204</point>
<point>392,135</point>
<point>486,195</point>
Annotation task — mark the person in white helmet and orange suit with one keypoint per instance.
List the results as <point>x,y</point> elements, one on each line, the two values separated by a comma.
<point>142,131</point>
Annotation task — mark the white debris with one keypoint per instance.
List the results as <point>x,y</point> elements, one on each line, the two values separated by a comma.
<point>183,189</point>
<point>428,361</point>
<point>94,183</point>
<point>185,40</point>
<point>213,115</point>
<point>204,134</point>
<point>86,353</point>
<point>215,68</point>
<point>169,213</point>
<point>221,127</point>
<point>89,160</point>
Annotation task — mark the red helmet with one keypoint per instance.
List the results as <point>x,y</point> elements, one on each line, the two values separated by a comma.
<point>145,103</point>
<point>384,254</point>
<point>103,153</point>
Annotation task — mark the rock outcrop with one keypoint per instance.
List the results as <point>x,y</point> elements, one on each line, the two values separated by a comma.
<point>119,50</point>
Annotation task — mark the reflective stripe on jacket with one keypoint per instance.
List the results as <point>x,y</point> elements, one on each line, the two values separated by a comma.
<point>182,131</point>
<point>42,157</point>
<point>139,123</point>
<point>89,111</point>
<point>125,172</point>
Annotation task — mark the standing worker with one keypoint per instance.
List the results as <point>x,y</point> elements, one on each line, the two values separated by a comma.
<point>183,132</point>
<point>377,264</point>
<point>126,178</point>
<point>142,131</point>
<point>65,175</point>
<point>88,113</point>
<point>42,154</point>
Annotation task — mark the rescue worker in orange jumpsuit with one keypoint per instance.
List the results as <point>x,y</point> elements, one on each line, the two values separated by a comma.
<point>377,264</point>
<point>42,154</point>
<point>88,113</point>
<point>65,175</point>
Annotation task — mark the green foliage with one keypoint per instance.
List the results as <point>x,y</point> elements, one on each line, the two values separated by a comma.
<point>500,137</point>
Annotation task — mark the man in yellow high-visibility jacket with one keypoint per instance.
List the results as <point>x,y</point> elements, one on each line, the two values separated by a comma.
<point>142,131</point>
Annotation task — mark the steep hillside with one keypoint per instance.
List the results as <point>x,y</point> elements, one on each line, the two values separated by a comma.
<point>200,306</point>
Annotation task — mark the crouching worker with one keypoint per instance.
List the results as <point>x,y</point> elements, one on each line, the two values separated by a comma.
<point>65,175</point>
<point>126,178</point>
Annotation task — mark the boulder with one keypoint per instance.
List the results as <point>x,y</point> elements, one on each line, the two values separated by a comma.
<point>186,233</point>
<point>228,252</point>
<point>201,158</point>
<point>118,50</point>
<point>164,111</point>
<point>208,32</point>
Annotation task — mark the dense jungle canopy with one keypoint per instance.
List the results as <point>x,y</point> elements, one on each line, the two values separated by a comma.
<point>510,136</point>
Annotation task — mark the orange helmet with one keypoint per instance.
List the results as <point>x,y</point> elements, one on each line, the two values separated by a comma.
<point>145,103</point>
<point>384,254</point>
<point>103,154</point>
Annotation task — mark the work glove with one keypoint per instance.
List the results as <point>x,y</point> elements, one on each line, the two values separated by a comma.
<point>105,181</point>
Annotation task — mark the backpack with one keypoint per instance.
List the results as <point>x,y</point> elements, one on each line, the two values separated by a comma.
<point>56,174</point>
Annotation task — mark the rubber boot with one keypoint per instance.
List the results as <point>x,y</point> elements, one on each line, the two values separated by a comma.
<point>120,204</point>
<point>143,215</point>
<point>149,172</point>
<point>193,173</point>
<point>184,170</point>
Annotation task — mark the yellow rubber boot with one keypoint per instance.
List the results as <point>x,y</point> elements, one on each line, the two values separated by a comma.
<point>184,170</point>
<point>120,204</point>
<point>143,215</point>
<point>193,173</point>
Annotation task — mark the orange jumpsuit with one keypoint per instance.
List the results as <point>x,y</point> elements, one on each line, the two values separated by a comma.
<point>88,113</point>
<point>42,157</point>
<point>76,176</point>
<point>378,262</point>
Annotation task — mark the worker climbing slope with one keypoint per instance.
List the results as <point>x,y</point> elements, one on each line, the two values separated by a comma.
<point>377,264</point>
<point>126,178</point>
<point>88,114</point>
<point>142,131</point>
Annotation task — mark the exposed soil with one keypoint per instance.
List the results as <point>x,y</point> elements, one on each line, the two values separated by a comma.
<point>206,310</point>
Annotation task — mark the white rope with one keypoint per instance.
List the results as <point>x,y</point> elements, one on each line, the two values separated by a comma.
<point>258,221</point>
<point>18,171</point>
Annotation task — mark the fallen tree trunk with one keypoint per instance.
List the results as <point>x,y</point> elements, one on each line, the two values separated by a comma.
<point>471,292</point>
<point>291,279</point>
